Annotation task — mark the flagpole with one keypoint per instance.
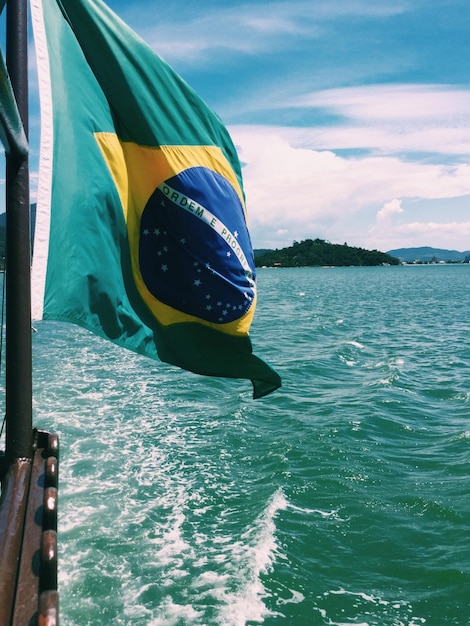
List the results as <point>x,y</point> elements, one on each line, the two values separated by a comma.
<point>18,253</point>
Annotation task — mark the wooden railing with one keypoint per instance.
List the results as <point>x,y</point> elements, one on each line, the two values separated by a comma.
<point>28,538</point>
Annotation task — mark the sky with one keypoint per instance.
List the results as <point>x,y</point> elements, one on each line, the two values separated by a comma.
<point>351,117</point>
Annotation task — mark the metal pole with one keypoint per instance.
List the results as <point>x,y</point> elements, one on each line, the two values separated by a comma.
<point>18,254</point>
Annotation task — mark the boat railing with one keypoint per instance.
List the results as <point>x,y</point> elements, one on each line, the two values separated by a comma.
<point>28,542</point>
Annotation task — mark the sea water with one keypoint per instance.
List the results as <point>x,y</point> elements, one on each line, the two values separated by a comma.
<point>343,498</point>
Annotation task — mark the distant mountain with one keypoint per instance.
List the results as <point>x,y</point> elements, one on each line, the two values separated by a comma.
<point>3,224</point>
<point>317,253</point>
<point>3,218</point>
<point>427,254</point>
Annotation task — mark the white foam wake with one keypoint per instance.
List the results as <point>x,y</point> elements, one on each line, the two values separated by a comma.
<point>240,591</point>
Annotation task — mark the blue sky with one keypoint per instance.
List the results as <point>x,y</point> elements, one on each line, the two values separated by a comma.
<point>351,117</point>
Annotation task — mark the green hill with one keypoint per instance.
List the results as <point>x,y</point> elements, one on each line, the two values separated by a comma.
<point>317,252</point>
<point>3,223</point>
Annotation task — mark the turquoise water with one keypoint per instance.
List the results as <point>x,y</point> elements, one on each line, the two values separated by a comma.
<point>343,498</point>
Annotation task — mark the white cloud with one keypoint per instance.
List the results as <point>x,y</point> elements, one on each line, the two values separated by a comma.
<point>389,209</point>
<point>414,138</point>
<point>252,27</point>
<point>387,234</point>
<point>393,103</point>
<point>447,235</point>
<point>248,29</point>
<point>386,119</point>
<point>449,230</point>
<point>294,192</point>
<point>349,181</point>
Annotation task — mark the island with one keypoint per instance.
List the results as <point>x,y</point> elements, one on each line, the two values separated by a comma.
<point>320,253</point>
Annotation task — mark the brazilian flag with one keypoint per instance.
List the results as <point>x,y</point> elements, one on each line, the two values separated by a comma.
<point>141,232</point>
